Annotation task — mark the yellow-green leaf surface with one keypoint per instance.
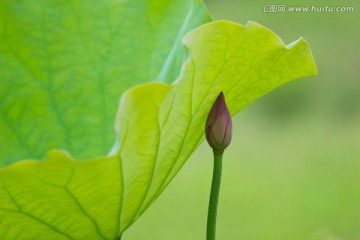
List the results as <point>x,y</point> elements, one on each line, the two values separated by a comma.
<point>158,127</point>
<point>64,65</point>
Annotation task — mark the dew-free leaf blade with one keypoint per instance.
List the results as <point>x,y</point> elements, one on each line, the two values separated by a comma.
<point>64,65</point>
<point>158,127</point>
<point>245,62</point>
<point>59,198</point>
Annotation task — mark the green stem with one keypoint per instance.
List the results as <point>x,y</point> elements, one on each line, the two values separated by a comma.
<point>214,195</point>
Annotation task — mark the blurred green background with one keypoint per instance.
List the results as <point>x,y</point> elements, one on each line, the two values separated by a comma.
<point>292,171</point>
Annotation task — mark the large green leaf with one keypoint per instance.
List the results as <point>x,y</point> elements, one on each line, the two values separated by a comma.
<point>64,65</point>
<point>158,126</point>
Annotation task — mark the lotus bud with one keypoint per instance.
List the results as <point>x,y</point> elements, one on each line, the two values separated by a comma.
<point>218,126</point>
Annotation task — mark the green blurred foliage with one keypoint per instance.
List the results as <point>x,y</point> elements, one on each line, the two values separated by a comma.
<point>292,171</point>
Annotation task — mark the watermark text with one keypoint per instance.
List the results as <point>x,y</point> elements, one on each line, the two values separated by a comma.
<point>281,8</point>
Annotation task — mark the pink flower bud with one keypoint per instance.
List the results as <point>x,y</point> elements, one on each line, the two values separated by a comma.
<point>218,126</point>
